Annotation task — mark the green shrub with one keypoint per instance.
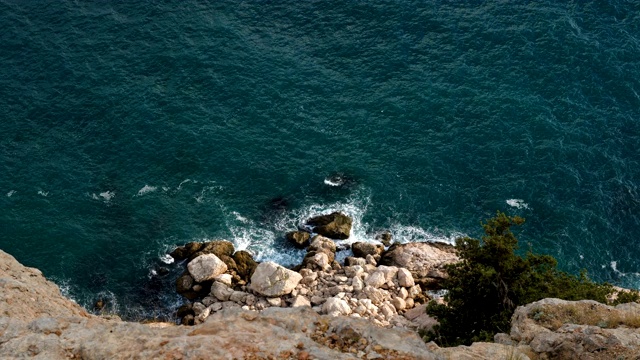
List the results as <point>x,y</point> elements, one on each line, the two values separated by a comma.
<point>491,280</point>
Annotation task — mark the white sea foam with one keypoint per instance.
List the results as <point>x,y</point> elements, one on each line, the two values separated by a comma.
<point>518,203</point>
<point>404,234</point>
<point>107,195</point>
<point>10,193</point>
<point>167,259</point>
<point>614,266</point>
<point>146,189</point>
<point>184,182</point>
<point>43,193</point>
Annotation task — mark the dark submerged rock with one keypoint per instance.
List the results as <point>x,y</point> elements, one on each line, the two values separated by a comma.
<point>245,265</point>
<point>385,238</point>
<point>335,225</point>
<point>219,248</point>
<point>362,249</point>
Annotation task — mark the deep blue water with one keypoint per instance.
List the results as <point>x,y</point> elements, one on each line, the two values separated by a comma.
<point>129,128</point>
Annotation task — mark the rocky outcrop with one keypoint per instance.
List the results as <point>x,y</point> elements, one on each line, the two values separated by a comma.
<point>36,321</point>
<point>271,279</point>
<point>26,295</point>
<point>559,329</point>
<point>335,225</point>
<point>425,260</point>
<point>206,267</point>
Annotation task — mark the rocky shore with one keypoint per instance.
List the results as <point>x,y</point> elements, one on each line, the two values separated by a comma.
<point>386,286</point>
<point>36,321</point>
<point>366,307</point>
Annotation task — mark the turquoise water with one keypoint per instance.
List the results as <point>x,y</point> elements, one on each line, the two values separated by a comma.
<point>127,129</point>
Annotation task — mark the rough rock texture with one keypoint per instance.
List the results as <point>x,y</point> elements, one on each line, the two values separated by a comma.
<point>271,279</point>
<point>206,267</point>
<point>36,321</point>
<point>220,248</point>
<point>335,225</point>
<point>559,329</point>
<point>26,295</point>
<point>424,260</point>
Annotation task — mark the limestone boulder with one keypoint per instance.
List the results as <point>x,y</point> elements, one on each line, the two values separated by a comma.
<point>335,225</point>
<point>422,259</point>
<point>206,267</point>
<point>336,307</point>
<point>270,279</point>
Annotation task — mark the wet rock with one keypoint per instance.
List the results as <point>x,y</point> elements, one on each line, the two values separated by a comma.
<point>362,249</point>
<point>183,252</point>
<point>335,225</point>
<point>271,279</point>
<point>385,238</point>
<point>219,248</point>
<point>405,278</point>
<point>299,239</point>
<point>184,283</point>
<point>245,264</point>
<point>300,301</point>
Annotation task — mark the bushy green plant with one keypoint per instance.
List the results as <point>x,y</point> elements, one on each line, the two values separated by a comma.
<point>491,280</point>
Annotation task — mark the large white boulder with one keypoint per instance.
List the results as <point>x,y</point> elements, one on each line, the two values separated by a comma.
<point>336,307</point>
<point>271,279</point>
<point>206,267</point>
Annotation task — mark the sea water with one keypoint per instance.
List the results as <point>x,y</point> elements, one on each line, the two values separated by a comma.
<point>128,128</point>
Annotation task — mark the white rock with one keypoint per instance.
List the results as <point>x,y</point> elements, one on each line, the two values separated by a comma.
<point>371,260</point>
<point>321,260</point>
<point>220,291</point>
<point>357,284</point>
<point>403,293</point>
<point>387,310</point>
<point>398,303</point>
<point>415,291</point>
<point>376,279</point>
<point>340,279</point>
<point>224,278</point>
<point>405,278</point>
<point>300,301</point>
<point>206,267</point>
<point>410,303</point>
<point>271,279</point>
<point>276,301</point>
<point>336,307</point>
<point>388,271</point>
<point>353,271</point>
